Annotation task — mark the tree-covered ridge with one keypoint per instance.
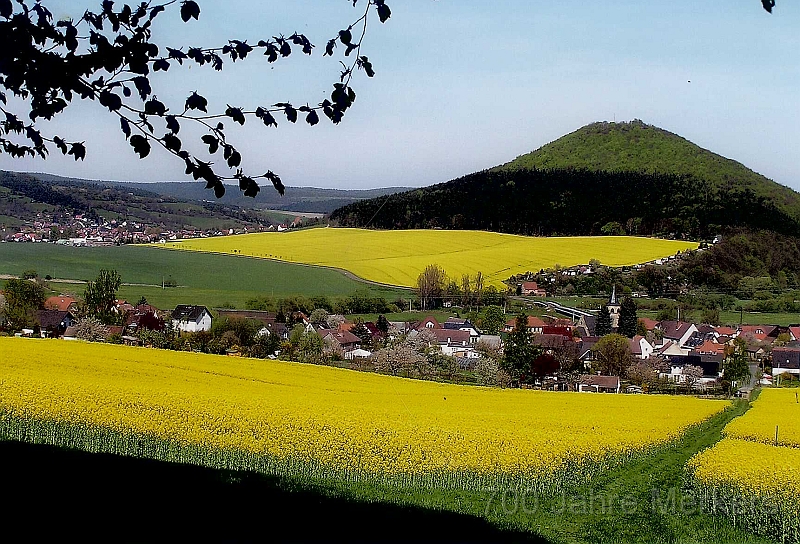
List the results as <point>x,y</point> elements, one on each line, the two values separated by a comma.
<point>639,147</point>
<point>573,202</point>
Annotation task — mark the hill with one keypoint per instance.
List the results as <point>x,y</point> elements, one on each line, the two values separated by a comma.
<point>25,198</point>
<point>296,199</point>
<point>617,178</point>
<point>639,147</point>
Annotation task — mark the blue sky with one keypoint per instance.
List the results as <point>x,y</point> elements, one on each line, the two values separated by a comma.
<point>464,85</point>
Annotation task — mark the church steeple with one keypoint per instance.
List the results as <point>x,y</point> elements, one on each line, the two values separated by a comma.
<point>614,307</point>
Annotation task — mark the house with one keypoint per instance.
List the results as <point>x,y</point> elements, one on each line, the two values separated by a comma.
<point>343,341</point>
<point>61,303</point>
<point>454,323</point>
<point>535,324</point>
<point>587,323</point>
<point>531,288</point>
<point>429,322</point>
<point>759,333</point>
<point>640,347</point>
<point>450,340</point>
<point>586,348</point>
<point>190,318</point>
<point>649,324</point>
<point>794,332</point>
<point>591,383</point>
<point>677,332</point>
<point>709,348</point>
<point>53,323</point>
<point>785,360</point>
<point>711,368</point>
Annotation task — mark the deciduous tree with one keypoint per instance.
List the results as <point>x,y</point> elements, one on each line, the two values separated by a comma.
<point>430,285</point>
<point>493,320</point>
<point>100,297</point>
<point>613,355</point>
<point>23,298</point>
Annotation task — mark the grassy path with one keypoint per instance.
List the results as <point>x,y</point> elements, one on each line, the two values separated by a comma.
<point>642,501</point>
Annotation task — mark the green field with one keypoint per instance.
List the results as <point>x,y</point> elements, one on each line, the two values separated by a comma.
<point>397,257</point>
<point>212,280</point>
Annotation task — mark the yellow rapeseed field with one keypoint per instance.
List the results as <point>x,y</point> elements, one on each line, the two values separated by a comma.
<point>773,408</point>
<point>750,467</point>
<point>351,420</point>
<point>750,478</point>
<point>398,257</point>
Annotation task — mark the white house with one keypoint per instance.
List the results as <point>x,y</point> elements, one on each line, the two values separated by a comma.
<point>640,347</point>
<point>189,318</point>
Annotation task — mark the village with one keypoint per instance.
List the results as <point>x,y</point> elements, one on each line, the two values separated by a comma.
<point>85,230</point>
<point>571,354</point>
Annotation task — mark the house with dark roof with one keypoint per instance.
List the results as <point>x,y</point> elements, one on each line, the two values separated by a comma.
<point>450,340</point>
<point>454,323</point>
<point>591,383</point>
<point>640,347</point>
<point>785,360</point>
<point>190,318</point>
<point>53,323</point>
<point>678,332</point>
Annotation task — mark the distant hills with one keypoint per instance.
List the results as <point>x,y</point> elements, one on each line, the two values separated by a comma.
<point>629,178</point>
<point>26,197</point>
<point>172,205</point>
<point>296,199</point>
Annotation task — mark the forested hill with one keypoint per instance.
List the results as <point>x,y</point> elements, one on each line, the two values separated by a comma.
<point>639,147</point>
<point>572,202</point>
<point>604,178</point>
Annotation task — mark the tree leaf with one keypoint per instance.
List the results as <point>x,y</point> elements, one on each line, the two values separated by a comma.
<point>213,143</point>
<point>143,86</point>
<point>189,10</point>
<point>110,100</point>
<point>196,102</point>
<point>266,117</point>
<point>154,107</point>
<point>235,114</point>
<point>383,12</point>
<point>312,118</point>
<point>172,142</point>
<point>78,150</point>
<point>6,9</point>
<point>126,127</point>
<point>276,182</point>
<point>172,124</point>
<point>235,159</point>
<point>140,145</point>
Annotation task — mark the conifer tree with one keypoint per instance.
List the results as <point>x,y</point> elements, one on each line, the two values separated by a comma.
<point>627,318</point>
<point>603,325</point>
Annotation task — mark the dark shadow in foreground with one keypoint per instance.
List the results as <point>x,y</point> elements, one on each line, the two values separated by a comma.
<point>54,492</point>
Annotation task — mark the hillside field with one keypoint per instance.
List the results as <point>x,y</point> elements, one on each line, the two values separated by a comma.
<point>211,280</point>
<point>397,257</point>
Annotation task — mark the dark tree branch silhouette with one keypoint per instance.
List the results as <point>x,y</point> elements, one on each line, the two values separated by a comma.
<point>109,57</point>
